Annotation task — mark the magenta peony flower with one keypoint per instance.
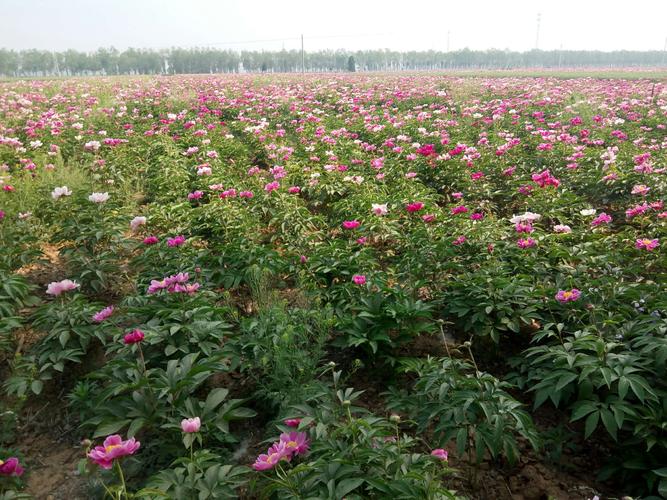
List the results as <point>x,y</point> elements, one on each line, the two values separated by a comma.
<point>100,316</point>
<point>428,218</point>
<point>113,448</point>
<point>11,467</point>
<point>459,241</point>
<point>292,422</point>
<point>359,279</point>
<point>190,425</point>
<point>414,207</point>
<point>294,190</point>
<point>564,296</point>
<point>603,218</point>
<point>526,243</point>
<point>441,454</point>
<point>133,337</point>
<point>459,210</point>
<point>150,240</point>
<point>351,224</point>
<point>295,442</point>
<point>57,287</point>
<point>176,241</point>
<point>647,244</point>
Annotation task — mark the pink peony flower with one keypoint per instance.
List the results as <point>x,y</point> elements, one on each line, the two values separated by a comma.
<point>113,448</point>
<point>190,425</point>
<point>351,224</point>
<point>133,337</point>
<point>414,207</point>
<point>295,442</point>
<point>292,422</point>
<point>603,218</point>
<point>359,279</point>
<point>137,222</point>
<point>271,186</point>
<point>459,241</point>
<point>647,244</point>
<point>195,195</point>
<point>57,287</point>
<point>150,240</point>
<point>441,454</point>
<point>100,316</point>
<point>562,228</point>
<point>428,218</point>
<point>294,190</point>
<point>275,454</point>
<point>11,467</point>
<point>176,241</point>
<point>526,243</point>
<point>564,296</point>
<point>477,216</point>
<point>461,209</point>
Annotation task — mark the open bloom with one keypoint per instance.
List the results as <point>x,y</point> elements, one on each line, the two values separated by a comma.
<point>351,224</point>
<point>60,191</point>
<point>562,228</point>
<point>440,453</point>
<point>113,448</point>
<point>11,467</point>
<point>379,209</point>
<point>295,442</point>
<point>133,337</point>
<point>414,207</point>
<point>564,296</point>
<point>176,241</point>
<point>190,425</point>
<point>275,454</point>
<point>100,316</point>
<point>603,218</point>
<point>150,240</point>
<point>136,222</point>
<point>57,287</point>
<point>526,243</point>
<point>99,197</point>
<point>647,244</point>
<point>526,217</point>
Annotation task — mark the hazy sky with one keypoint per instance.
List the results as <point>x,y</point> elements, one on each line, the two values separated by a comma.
<point>350,24</point>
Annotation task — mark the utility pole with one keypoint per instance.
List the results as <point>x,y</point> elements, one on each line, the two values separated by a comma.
<point>537,31</point>
<point>303,58</point>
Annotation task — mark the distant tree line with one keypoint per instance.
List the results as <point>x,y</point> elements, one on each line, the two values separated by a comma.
<point>33,63</point>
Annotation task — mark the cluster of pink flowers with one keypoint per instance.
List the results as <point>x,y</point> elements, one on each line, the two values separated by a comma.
<point>112,449</point>
<point>544,179</point>
<point>289,445</point>
<point>177,283</point>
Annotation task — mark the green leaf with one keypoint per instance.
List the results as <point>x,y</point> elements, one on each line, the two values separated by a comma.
<point>215,397</point>
<point>37,386</point>
<point>348,485</point>
<point>591,423</point>
<point>110,427</point>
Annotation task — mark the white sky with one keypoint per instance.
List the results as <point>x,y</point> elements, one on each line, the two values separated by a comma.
<point>349,24</point>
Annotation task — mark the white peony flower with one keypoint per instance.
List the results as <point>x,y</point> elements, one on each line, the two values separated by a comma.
<point>60,191</point>
<point>587,211</point>
<point>99,197</point>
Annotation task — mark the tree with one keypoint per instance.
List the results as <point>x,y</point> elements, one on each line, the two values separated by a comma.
<point>351,64</point>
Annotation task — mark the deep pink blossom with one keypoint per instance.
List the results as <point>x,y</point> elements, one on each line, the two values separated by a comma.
<point>113,448</point>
